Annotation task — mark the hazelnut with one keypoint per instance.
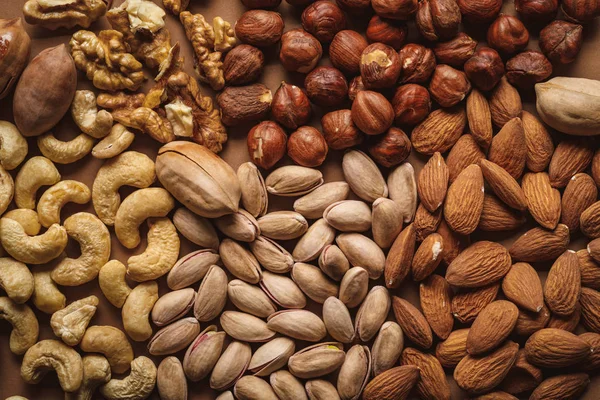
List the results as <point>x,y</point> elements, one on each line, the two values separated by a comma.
<point>290,106</point>
<point>417,63</point>
<point>580,11</point>
<point>259,27</point>
<point>507,34</point>
<point>379,66</point>
<point>485,68</point>
<point>299,3</point>
<point>481,11</point>
<point>395,9</point>
<point>356,85</point>
<point>326,86</point>
<point>411,104</point>
<point>528,68</point>
<point>387,31</point>
<point>300,51</point>
<point>455,52</point>
<point>345,51</point>
<point>372,112</point>
<point>241,104</point>
<point>391,148</point>
<point>448,86</point>
<point>243,64</point>
<point>538,10</point>
<point>266,144</point>
<point>307,147</point>
<point>261,3</point>
<point>561,41</point>
<point>355,6</point>
<point>438,19</point>
<point>323,20</point>
<point>339,130</point>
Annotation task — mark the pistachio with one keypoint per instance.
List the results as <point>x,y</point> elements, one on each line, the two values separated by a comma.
<point>245,327</point>
<point>387,347</point>
<point>253,388</point>
<point>239,261</point>
<point>362,252</point>
<point>320,389</point>
<point>317,360</point>
<point>348,216</point>
<point>271,255</point>
<point>297,324</point>
<point>240,226</point>
<point>191,268</point>
<point>363,176</point>
<point>202,355</point>
<point>354,373</point>
<point>212,295</point>
<point>403,189</point>
<point>254,192</point>
<point>386,222</point>
<point>293,180</point>
<point>195,228</point>
<point>283,225</point>
<point>337,320</point>
<point>287,386</point>
<point>354,286</point>
<point>174,337</point>
<point>314,204</point>
<point>172,306</point>
<point>231,365</point>
<point>271,356</point>
<point>372,313</point>
<point>282,290</point>
<point>313,282</point>
<point>225,396</point>
<point>310,246</point>
<point>250,299</point>
<point>333,262</point>
<point>170,380</point>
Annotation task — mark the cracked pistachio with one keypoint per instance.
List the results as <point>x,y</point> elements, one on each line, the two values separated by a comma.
<point>272,256</point>
<point>317,360</point>
<point>204,352</point>
<point>283,225</point>
<point>231,365</point>
<point>245,327</point>
<point>250,299</point>
<point>271,356</point>
<point>240,226</point>
<point>282,290</point>
<point>333,262</point>
<point>313,282</point>
<point>297,324</point>
<point>312,243</point>
<point>191,268</point>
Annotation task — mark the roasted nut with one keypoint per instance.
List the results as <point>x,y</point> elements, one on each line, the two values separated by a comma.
<point>580,11</point>
<point>326,86</point>
<point>528,68</point>
<point>485,68</point>
<point>300,51</point>
<point>386,31</point>
<point>14,57</point>
<point>507,34</point>
<point>391,148</point>
<point>339,130</point>
<point>356,85</point>
<point>372,113</point>
<point>538,10</point>
<point>561,41</point>
<point>323,20</point>
<point>243,65</point>
<point>345,51</point>
<point>379,66</point>
<point>354,6</point>
<point>261,3</point>
<point>438,19</point>
<point>482,11</point>
<point>299,3</point>
<point>455,52</point>
<point>307,147</point>
<point>244,103</point>
<point>54,14</point>
<point>290,106</point>
<point>266,144</point>
<point>417,63</point>
<point>395,9</point>
<point>449,86</point>
<point>259,27</point>
<point>411,104</point>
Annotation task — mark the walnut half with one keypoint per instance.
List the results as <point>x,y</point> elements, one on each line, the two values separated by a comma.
<point>54,14</point>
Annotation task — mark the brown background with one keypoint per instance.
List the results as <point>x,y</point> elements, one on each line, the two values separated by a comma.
<point>587,65</point>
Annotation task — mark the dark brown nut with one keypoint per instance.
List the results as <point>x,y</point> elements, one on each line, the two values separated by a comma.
<point>417,63</point>
<point>243,65</point>
<point>438,19</point>
<point>261,3</point>
<point>358,7</point>
<point>14,53</point>
<point>307,147</point>
<point>326,86</point>
<point>580,11</point>
<point>266,144</point>
<point>379,66</point>
<point>241,104</point>
<point>339,130</point>
<point>485,68</point>
<point>395,9</point>
<point>356,85</point>
<point>391,148</point>
<point>411,104</point>
<point>345,51</point>
<point>507,34</point>
<point>259,27</point>
<point>290,106</point>
<point>372,113</point>
<point>538,10</point>
<point>300,51</point>
<point>481,11</point>
<point>528,68</point>
<point>323,20</point>
<point>561,41</point>
<point>387,31</point>
<point>455,52</point>
<point>449,86</point>
<point>299,3</point>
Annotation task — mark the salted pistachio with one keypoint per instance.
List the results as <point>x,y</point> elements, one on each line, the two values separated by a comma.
<point>170,380</point>
<point>204,352</point>
<point>241,226</point>
<point>271,255</point>
<point>282,290</point>
<point>212,295</point>
<point>172,306</point>
<point>313,282</point>
<point>348,216</point>
<point>372,313</point>
<point>387,347</point>
<point>403,190</point>
<point>283,225</point>
<point>333,262</point>
<point>314,204</point>
<point>255,198</point>
<point>311,244</point>
<point>317,360</point>
<point>386,222</point>
<point>70,323</point>
<point>297,324</point>
<point>240,261</point>
<point>321,389</point>
<point>231,365</point>
<point>253,388</point>
<point>286,386</point>
<point>363,176</point>
<point>250,298</point>
<point>245,327</point>
<point>293,180</point>
<point>271,356</point>
<point>174,337</point>
<point>354,286</point>
<point>362,252</point>
<point>191,268</point>
<point>195,228</point>
<point>354,373</point>
<point>337,320</point>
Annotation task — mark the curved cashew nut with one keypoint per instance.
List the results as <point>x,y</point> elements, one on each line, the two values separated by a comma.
<point>35,173</point>
<point>16,280</point>
<point>70,323</point>
<point>94,240</point>
<point>52,354</point>
<point>96,372</point>
<point>136,311</point>
<point>137,207</point>
<point>46,296</point>
<point>55,198</point>
<point>113,284</point>
<point>62,152</point>
<point>25,325</point>
<point>32,249</point>
<point>112,343</point>
<point>85,113</point>
<point>13,146</point>
<point>27,218</point>
<point>117,141</point>
<point>128,169</point>
<point>7,189</point>
<point>161,254</point>
<point>137,386</point>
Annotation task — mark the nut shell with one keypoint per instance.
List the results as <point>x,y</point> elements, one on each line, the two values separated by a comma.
<point>411,103</point>
<point>307,147</point>
<point>507,34</point>
<point>581,11</point>
<point>339,130</point>
<point>561,41</point>
<point>259,27</point>
<point>266,144</point>
<point>387,31</point>
<point>323,20</point>
<point>300,51</point>
<point>345,51</point>
<point>391,148</point>
<point>326,86</point>
<point>290,106</point>
<point>485,68</point>
<point>379,66</point>
<point>372,113</point>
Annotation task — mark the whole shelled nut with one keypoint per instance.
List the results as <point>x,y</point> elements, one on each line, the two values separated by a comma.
<point>326,86</point>
<point>507,34</point>
<point>261,3</point>
<point>299,3</point>
<point>259,27</point>
<point>372,112</point>
<point>561,41</point>
<point>528,68</point>
<point>417,63</point>
<point>243,65</point>
<point>395,9</point>
<point>356,85</point>
<point>323,20</point>
<point>580,11</point>
<point>387,31</point>
<point>411,103</point>
<point>455,52</point>
<point>339,130</point>
<point>355,6</point>
<point>482,11</point>
<point>379,66</point>
<point>391,148</point>
<point>485,68</point>
<point>345,51</point>
<point>300,51</point>
<point>290,106</point>
<point>538,10</point>
<point>241,104</point>
<point>448,86</point>
<point>307,147</point>
<point>438,19</point>
<point>266,144</point>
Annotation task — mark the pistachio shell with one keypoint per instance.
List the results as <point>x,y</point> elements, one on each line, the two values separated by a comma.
<point>354,373</point>
<point>333,262</point>
<point>254,191</point>
<point>337,320</point>
<point>372,313</point>
<point>310,246</point>
<point>172,306</point>
<point>250,298</point>
<point>362,252</point>
<point>283,225</point>
<point>287,386</point>
<point>271,356</point>
<point>354,286</point>
<point>386,222</point>
<point>245,327</point>
<point>191,268</point>
<point>293,180</point>
<point>240,261</point>
<point>212,295</point>
<point>363,176</point>
<point>348,216</point>
<point>282,290</point>
<point>313,282</point>
<point>174,337</point>
<point>231,365</point>
<point>314,204</point>
<point>271,255</point>
<point>317,360</point>
<point>241,226</point>
<point>297,324</point>
<point>202,355</point>
<point>387,347</point>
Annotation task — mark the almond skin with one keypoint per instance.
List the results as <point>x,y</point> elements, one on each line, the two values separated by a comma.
<point>496,396</point>
<point>479,265</point>
<point>426,222</point>
<point>555,348</point>
<point>432,384</point>
<point>433,182</point>
<point>480,118</point>
<point>567,323</point>
<point>464,153</point>
<point>508,148</point>
<point>590,270</point>
<point>413,323</point>
<point>590,309</point>
<point>596,167</point>
<point>453,242</point>
<point>493,324</point>
<point>464,201</point>
<point>503,185</point>
<point>590,221</point>
<point>563,284</point>
<point>427,257</point>
<point>539,244</point>
<point>580,193</point>
<point>593,249</point>
<point>453,349</point>
<point>570,157</point>
<point>522,286</point>
<point>543,201</point>
<point>530,322</point>
<point>397,262</point>
<point>561,387</point>
<point>436,302</point>
<point>439,131</point>
<point>522,377</point>
<point>496,216</point>
<point>538,141</point>
<point>467,305</point>
<point>505,103</point>
<point>592,362</point>
<point>393,384</point>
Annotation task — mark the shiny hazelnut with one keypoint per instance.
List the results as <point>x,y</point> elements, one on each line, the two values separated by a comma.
<point>339,130</point>
<point>481,11</point>
<point>261,3</point>
<point>538,10</point>
<point>290,106</point>
<point>299,3</point>
<point>438,19</point>
<point>391,148</point>
<point>448,86</point>
<point>387,31</point>
<point>395,9</point>
<point>243,64</point>
<point>561,41</point>
<point>356,85</point>
<point>307,147</point>
<point>580,11</point>
<point>379,66</point>
<point>411,103</point>
<point>345,51</point>
<point>417,63</point>
<point>528,68</point>
<point>357,7</point>
<point>326,86</point>
<point>323,20</point>
<point>372,113</point>
<point>485,68</point>
<point>507,34</point>
<point>241,104</point>
<point>455,52</point>
<point>300,51</point>
<point>266,144</point>
<point>259,27</point>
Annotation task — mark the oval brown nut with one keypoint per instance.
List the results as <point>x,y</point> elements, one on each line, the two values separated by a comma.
<point>491,327</point>
<point>479,265</point>
<point>556,348</point>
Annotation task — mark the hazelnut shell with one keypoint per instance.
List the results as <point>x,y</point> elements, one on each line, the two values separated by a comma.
<point>307,147</point>
<point>266,144</point>
<point>372,112</point>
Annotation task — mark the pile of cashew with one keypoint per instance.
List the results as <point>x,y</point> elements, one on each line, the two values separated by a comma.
<point>35,173</point>
<point>38,249</point>
<point>57,196</point>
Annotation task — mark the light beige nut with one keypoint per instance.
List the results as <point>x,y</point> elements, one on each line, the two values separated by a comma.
<point>70,323</point>
<point>225,396</point>
<point>32,249</point>
<point>16,280</point>
<point>204,352</point>
<point>62,152</point>
<point>195,228</point>
<point>231,365</point>
<point>212,295</point>
<point>362,252</point>
<point>348,216</point>
<point>387,347</point>
<point>293,180</point>
<point>190,268</point>
<point>36,172</point>
<point>138,385</point>
<point>271,356</point>
<point>314,204</point>
<point>84,111</point>
<point>173,306</point>
<point>271,255</point>
<point>116,142</point>
<point>175,7</point>
<point>136,311</point>
<point>333,262</point>
<point>282,225</point>
<point>240,261</point>
<point>96,372</point>
<point>372,313</point>
<point>282,290</point>
<point>46,295</point>
<point>253,388</point>
<point>312,243</point>
<point>245,327</point>
<point>337,320</point>
<point>386,222</point>
<point>355,372</point>
<point>48,355</point>
<point>170,380</point>
<point>313,282</point>
<point>27,218</point>
<point>286,386</point>
<point>297,324</point>
<point>56,197</point>
<point>363,176</point>
<point>13,146</point>
<point>354,286</point>
<point>54,14</point>
<point>254,191</point>
<point>25,327</point>
<point>403,189</point>
<point>174,337</point>
<point>7,189</point>
<point>321,389</point>
<point>317,360</point>
<point>240,226</point>
<point>113,284</point>
<point>250,299</point>
<point>112,343</point>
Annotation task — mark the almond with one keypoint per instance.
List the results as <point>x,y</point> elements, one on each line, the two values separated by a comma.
<point>466,305</point>
<point>493,324</point>
<point>503,184</point>
<point>590,309</point>
<point>464,201</point>
<point>570,157</point>
<point>393,384</point>
<point>480,118</point>
<point>592,362</point>
<point>426,222</point>
<point>543,201</point>
<point>453,242</point>
<point>496,396</point>
<point>522,377</point>
<point>478,265</point>
<point>563,284</point>
<point>568,323</point>
<point>555,348</point>
<point>522,286</point>
<point>590,221</point>
<point>538,142</point>
<point>496,216</point>
<point>397,263</point>
<point>530,322</point>
<point>580,193</point>
<point>413,323</point>
<point>439,131</point>
<point>453,349</point>
<point>505,103</point>
<point>433,182</point>
<point>561,387</point>
<point>436,303</point>
<point>465,152</point>
<point>508,148</point>
<point>539,244</point>
<point>596,167</point>
<point>433,384</point>
<point>428,257</point>
<point>593,248</point>
<point>590,270</point>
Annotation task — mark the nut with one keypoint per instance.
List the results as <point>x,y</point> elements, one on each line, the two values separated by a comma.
<point>261,3</point>
<point>244,103</point>
<point>300,51</point>
<point>137,385</point>
<point>92,122</point>
<point>195,228</point>
<point>345,50</point>
<point>314,204</point>
<point>538,10</point>
<point>70,323</point>
<point>449,86</point>
<point>266,144</point>
<point>67,152</point>
<point>386,31</point>
<point>323,20</point>
<point>48,355</point>
<point>356,85</point>
<point>15,55</point>
<point>339,130</point>
<point>25,327</point>
<point>417,63</point>
<point>136,310</point>
<point>507,34</point>
<point>411,104</point>
<point>455,52</point>
<point>372,112</point>
<point>561,41</point>
<point>326,86</point>
<point>170,379</point>
<point>259,27</point>
<point>254,195</point>
<point>191,268</point>
<point>391,148</point>
<point>14,146</point>
<point>477,12</point>
<point>528,68</point>
<point>357,7</point>
<point>243,65</point>
<point>395,9</point>
<point>379,66</point>
<point>16,280</point>
<point>53,14</point>
<point>46,296</point>
<point>579,11</point>
<point>363,176</point>
<point>293,180</point>
<point>290,106</point>
<point>438,19</point>
<point>32,249</point>
<point>307,147</point>
<point>485,68</point>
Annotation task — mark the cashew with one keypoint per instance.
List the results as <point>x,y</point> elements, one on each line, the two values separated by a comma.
<point>13,146</point>
<point>46,296</point>
<point>95,123</point>
<point>161,252</point>
<point>137,386</point>
<point>27,218</point>
<point>117,141</point>
<point>32,249</point>
<point>128,169</point>
<point>136,311</point>
<point>70,323</point>
<point>7,189</point>
<point>94,240</point>
<point>55,198</point>
<point>112,343</point>
<point>62,152</point>
<point>113,284</point>
<point>52,354</point>
<point>25,325</point>
<point>35,173</point>
<point>17,398</point>
<point>96,372</point>
<point>16,280</point>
